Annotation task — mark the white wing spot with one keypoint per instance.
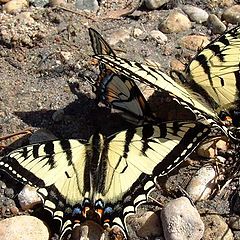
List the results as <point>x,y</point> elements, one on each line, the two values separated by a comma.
<point>128,209</point>
<point>43,191</point>
<point>176,160</point>
<point>190,146</point>
<point>148,185</point>
<point>169,167</point>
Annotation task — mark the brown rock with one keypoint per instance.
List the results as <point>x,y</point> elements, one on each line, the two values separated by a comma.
<point>23,228</point>
<point>175,22</point>
<point>216,228</point>
<point>194,42</point>
<point>177,65</point>
<point>15,6</point>
<point>149,225</point>
<point>232,14</point>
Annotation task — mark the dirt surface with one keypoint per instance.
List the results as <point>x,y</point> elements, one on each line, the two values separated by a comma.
<point>43,67</point>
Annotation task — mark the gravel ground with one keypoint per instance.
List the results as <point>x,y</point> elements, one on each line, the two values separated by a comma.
<point>43,60</point>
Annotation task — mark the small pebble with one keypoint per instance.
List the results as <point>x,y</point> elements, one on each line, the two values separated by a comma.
<point>148,225</point>
<point>8,202</point>
<point>23,227</point>
<point>9,192</point>
<point>119,35</point>
<point>194,42</point>
<point>177,65</point>
<point>203,182</point>
<point>66,56</point>
<point>215,24</point>
<point>181,220</point>
<point>234,223</point>
<point>137,32</point>
<point>39,3</point>
<point>175,22</point>
<point>232,14</point>
<point>15,6</point>
<point>2,184</point>
<point>154,4</point>
<point>91,5</point>
<point>195,14</point>
<point>216,228</point>
<point>159,36</point>
<point>28,197</point>
<point>14,210</point>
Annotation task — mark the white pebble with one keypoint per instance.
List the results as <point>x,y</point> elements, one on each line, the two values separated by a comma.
<point>28,197</point>
<point>203,182</point>
<point>181,220</point>
<point>15,6</point>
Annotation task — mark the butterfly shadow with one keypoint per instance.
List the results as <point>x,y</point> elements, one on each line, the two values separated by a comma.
<point>79,119</point>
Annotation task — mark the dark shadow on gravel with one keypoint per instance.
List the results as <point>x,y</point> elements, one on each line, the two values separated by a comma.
<point>80,120</point>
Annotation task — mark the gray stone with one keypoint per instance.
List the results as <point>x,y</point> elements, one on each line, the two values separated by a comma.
<point>39,3</point>
<point>215,24</point>
<point>195,14</point>
<point>181,220</point>
<point>23,227</point>
<point>154,4</point>
<point>91,5</point>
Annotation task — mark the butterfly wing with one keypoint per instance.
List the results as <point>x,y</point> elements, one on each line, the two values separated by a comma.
<point>136,157</point>
<point>116,90</point>
<point>159,81</point>
<point>53,168</point>
<point>215,69</point>
<point>126,171</point>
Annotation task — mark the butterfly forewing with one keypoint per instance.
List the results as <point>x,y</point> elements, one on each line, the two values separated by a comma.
<point>158,80</point>
<point>116,90</point>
